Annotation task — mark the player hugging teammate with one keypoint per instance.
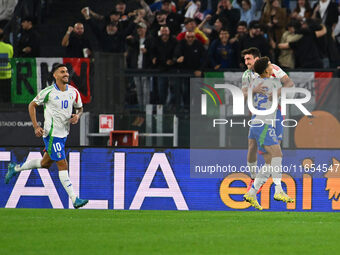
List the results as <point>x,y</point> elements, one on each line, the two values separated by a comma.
<point>265,135</point>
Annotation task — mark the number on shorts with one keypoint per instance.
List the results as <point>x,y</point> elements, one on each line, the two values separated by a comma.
<point>56,147</point>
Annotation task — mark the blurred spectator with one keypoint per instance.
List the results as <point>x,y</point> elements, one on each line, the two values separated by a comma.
<point>174,20</point>
<point>275,19</point>
<point>110,40</point>
<point>190,56</point>
<point>194,10</point>
<point>6,52</point>
<point>157,5</point>
<point>305,49</point>
<point>321,42</point>
<point>139,57</point>
<point>286,58</point>
<point>247,9</point>
<point>222,54</point>
<point>181,6</point>
<point>241,31</point>
<point>227,12</point>
<point>137,17</point>
<point>148,14</point>
<point>159,21</point>
<point>77,45</point>
<point>214,32</point>
<point>162,52</point>
<point>302,11</point>
<point>327,11</point>
<point>6,11</point>
<point>113,18</point>
<point>144,16</point>
<point>190,26</point>
<point>336,34</point>
<point>29,43</point>
<point>120,7</point>
<point>254,39</point>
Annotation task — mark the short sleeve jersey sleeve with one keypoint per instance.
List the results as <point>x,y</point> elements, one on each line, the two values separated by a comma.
<point>77,102</point>
<point>42,96</point>
<point>278,72</point>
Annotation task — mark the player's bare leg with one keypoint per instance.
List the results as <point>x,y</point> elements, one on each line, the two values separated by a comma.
<point>46,161</point>
<point>66,182</point>
<point>275,154</point>
<point>262,176</point>
<point>252,157</point>
<point>277,175</point>
<point>276,172</point>
<point>14,168</point>
<point>267,159</point>
<point>252,160</point>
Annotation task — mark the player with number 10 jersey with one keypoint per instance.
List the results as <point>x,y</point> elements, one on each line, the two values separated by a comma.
<point>58,100</point>
<point>58,106</point>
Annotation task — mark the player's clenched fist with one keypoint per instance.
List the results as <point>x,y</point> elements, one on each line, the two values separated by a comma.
<point>69,30</point>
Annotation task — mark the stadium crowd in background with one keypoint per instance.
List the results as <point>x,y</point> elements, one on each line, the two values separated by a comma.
<point>28,43</point>
<point>76,43</point>
<point>203,34</point>
<point>259,23</point>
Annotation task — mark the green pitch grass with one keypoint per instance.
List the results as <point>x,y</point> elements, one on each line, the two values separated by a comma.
<point>36,231</point>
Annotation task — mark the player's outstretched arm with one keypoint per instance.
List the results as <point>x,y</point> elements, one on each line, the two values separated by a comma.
<point>75,117</point>
<point>32,111</point>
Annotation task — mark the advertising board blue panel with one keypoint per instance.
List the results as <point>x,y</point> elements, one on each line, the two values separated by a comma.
<point>163,179</point>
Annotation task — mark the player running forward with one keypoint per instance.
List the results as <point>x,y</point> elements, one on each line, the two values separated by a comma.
<point>250,56</point>
<point>58,100</point>
<point>263,132</point>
